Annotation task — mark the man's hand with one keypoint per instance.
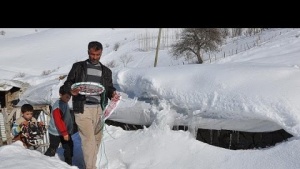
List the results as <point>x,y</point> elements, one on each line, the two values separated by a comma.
<point>115,96</point>
<point>75,91</point>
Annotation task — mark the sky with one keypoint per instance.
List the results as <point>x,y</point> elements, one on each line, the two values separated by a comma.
<point>254,88</point>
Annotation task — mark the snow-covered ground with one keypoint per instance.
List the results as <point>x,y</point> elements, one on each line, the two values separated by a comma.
<point>256,89</point>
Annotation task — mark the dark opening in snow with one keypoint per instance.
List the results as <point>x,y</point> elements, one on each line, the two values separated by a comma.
<point>229,139</point>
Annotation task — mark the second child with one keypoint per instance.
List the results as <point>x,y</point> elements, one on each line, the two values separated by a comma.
<point>61,127</point>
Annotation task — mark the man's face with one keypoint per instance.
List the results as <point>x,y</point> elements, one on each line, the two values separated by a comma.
<point>94,55</point>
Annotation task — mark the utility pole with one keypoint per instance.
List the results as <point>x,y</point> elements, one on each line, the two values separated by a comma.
<point>157,48</point>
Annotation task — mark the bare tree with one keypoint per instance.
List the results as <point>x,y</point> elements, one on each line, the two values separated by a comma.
<point>111,64</point>
<point>236,32</point>
<point>116,46</point>
<point>125,59</point>
<point>2,33</point>
<point>253,31</point>
<point>188,57</point>
<point>225,32</point>
<point>196,40</point>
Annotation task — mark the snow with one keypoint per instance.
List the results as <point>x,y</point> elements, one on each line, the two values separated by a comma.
<point>252,89</point>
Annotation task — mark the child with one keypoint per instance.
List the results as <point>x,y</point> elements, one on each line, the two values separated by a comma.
<point>26,128</point>
<point>61,127</point>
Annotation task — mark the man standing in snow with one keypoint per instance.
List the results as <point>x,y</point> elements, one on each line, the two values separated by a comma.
<point>88,108</point>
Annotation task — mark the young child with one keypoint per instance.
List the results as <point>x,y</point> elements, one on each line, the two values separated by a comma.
<point>25,124</point>
<point>61,127</point>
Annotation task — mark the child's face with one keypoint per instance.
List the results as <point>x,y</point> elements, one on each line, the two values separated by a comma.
<point>65,97</point>
<point>28,115</point>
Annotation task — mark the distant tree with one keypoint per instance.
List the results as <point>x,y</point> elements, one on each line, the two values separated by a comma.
<point>111,64</point>
<point>61,77</point>
<point>236,32</point>
<point>20,74</point>
<point>116,46</point>
<point>188,57</point>
<point>2,33</point>
<point>195,40</point>
<point>225,32</point>
<point>125,59</point>
<point>46,72</point>
<point>253,31</point>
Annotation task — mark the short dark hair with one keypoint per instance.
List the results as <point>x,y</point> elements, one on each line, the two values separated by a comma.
<point>95,45</point>
<point>26,107</point>
<point>62,90</point>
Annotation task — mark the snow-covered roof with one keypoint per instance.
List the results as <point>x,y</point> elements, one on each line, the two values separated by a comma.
<point>6,85</point>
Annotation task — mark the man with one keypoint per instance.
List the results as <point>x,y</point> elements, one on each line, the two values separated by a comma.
<point>88,108</point>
